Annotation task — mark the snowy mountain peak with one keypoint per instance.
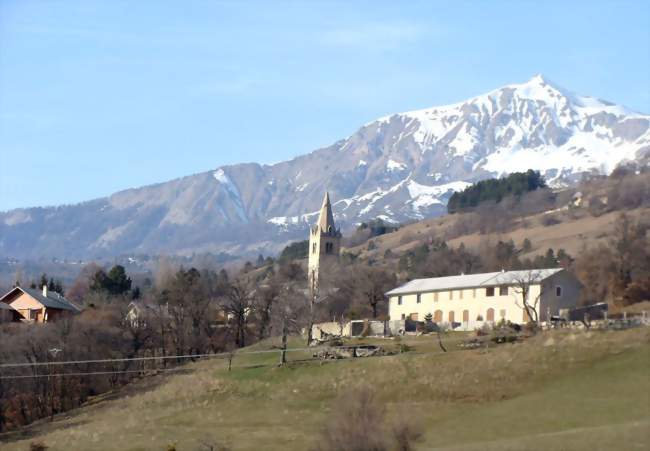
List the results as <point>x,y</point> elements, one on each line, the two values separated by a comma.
<point>398,168</point>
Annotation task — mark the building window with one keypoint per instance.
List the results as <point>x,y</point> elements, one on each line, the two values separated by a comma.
<point>435,297</point>
<point>399,300</point>
<point>451,295</point>
<point>313,248</point>
<point>437,316</point>
<point>418,298</point>
<point>466,316</point>
<point>329,248</point>
<point>558,291</point>
<point>474,293</point>
<point>489,291</point>
<point>503,290</point>
<point>490,315</point>
<point>460,294</point>
<point>451,318</point>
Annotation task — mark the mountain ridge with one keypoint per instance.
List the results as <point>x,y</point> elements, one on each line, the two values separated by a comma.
<point>400,167</point>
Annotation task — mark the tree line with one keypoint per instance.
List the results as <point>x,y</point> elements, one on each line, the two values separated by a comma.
<point>495,190</point>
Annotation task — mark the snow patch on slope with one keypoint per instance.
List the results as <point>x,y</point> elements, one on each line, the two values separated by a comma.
<point>393,165</point>
<point>425,196</point>
<point>221,177</point>
<point>285,222</point>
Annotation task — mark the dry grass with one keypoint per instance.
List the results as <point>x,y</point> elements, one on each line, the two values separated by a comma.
<point>564,386</point>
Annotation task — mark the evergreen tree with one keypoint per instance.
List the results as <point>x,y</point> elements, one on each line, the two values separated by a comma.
<point>260,260</point>
<point>116,282</point>
<point>119,282</point>
<point>495,190</point>
<point>294,251</point>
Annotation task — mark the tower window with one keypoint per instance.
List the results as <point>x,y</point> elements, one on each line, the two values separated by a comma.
<point>329,248</point>
<point>313,248</point>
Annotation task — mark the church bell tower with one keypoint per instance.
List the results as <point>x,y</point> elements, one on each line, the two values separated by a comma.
<point>324,245</point>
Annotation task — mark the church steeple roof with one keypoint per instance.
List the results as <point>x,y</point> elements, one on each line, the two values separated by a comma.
<point>326,218</point>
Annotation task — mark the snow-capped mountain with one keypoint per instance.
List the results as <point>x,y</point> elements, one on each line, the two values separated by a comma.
<point>400,167</point>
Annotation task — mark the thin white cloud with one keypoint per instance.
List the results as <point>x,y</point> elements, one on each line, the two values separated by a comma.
<point>233,86</point>
<point>374,36</point>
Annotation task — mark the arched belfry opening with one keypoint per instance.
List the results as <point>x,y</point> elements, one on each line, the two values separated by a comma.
<point>324,243</point>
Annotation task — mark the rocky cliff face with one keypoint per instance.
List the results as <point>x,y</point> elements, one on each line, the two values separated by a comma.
<point>399,168</point>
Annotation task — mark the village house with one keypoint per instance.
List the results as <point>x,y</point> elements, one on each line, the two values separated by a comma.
<point>38,305</point>
<point>8,314</point>
<point>466,302</point>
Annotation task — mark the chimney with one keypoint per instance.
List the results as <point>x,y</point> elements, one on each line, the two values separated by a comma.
<point>44,290</point>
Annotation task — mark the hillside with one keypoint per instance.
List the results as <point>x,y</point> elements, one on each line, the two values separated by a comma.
<point>572,390</point>
<point>570,234</point>
<point>401,168</point>
<point>572,219</point>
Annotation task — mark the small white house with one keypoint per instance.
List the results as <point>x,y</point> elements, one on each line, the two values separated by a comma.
<point>468,301</point>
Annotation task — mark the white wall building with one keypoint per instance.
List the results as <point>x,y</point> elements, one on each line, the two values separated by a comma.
<point>468,301</point>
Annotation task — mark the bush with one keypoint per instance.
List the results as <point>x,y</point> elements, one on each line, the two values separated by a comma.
<point>359,423</point>
<point>549,220</point>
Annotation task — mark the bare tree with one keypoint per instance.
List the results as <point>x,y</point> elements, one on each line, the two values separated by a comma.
<point>371,284</point>
<point>522,283</point>
<point>288,315</point>
<point>238,304</point>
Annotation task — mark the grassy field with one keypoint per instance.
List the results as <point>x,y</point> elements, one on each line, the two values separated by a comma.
<point>571,390</point>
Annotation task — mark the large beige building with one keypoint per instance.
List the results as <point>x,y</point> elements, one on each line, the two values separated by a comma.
<point>469,301</point>
<point>324,245</point>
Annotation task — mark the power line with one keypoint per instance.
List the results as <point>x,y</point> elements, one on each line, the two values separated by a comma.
<point>213,355</point>
<point>166,357</point>
<point>91,373</point>
<point>169,357</point>
<point>185,369</point>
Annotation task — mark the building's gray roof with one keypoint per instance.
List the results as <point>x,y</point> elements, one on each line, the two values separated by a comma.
<point>473,280</point>
<point>53,300</point>
<point>4,306</point>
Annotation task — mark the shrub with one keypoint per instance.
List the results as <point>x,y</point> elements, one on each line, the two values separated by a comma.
<point>37,446</point>
<point>360,424</point>
<point>549,220</point>
<point>485,329</point>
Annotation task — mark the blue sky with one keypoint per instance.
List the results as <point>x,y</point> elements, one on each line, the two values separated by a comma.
<point>99,96</point>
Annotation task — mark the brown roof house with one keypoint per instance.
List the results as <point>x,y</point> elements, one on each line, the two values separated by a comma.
<point>8,314</point>
<point>38,305</point>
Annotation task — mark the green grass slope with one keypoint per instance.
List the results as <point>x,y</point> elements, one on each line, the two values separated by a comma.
<point>559,390</point>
